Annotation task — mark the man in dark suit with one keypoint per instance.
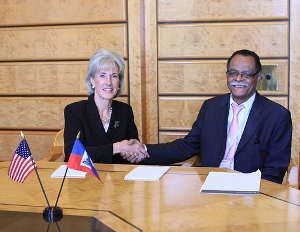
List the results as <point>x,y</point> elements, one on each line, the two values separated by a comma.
<point>263,137</point>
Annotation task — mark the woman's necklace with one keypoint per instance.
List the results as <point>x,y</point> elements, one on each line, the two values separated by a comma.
<point>106,120</point>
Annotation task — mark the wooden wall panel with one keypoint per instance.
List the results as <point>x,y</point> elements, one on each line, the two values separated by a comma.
<point>43,78</point>
<point>35,113</point>
<point>207,77</point>
<point>175,120</point>
<point>61,43</point>
<point>47,78</point>
<point>135,62</point>
<point>149,73</point>
<point>179,113</point>
<point>203,10</point>
<point>40,143</point>
<point>42,113</point>
<point>35,12</point>
<point>284,101</point>
<point>219,40</point>
<point>165,137</point>
<point>191,77</point>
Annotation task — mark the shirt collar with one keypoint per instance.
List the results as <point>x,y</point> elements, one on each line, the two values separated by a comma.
<point>247,103</point>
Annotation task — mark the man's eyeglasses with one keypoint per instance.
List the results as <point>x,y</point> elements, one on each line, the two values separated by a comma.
<point>234,74</point>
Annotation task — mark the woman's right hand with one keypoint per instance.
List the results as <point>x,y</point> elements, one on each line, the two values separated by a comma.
<point>131,150</point>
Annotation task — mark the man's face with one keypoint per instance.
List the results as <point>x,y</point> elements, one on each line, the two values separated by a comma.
<point>242,86</point>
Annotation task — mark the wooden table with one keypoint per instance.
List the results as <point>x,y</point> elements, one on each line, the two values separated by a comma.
<point>172,204</point>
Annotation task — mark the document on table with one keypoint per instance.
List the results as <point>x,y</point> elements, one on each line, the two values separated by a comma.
<point>71,173</point>
<point>147,173</point>
<point>232,183</point>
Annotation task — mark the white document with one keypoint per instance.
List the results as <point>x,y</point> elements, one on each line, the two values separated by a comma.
<point>147,173</point>
<point>71,173</point>
<point>232,183</point>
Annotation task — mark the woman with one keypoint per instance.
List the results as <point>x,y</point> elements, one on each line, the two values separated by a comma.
<point>105,124</point>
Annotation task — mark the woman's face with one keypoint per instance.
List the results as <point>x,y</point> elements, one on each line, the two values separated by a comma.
<point>106,82</point>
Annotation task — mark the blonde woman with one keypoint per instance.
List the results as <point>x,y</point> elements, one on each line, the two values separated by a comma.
<point>105,124</point>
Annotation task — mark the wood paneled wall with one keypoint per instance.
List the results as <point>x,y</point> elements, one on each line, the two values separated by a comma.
<point>175,52</point>
<point>45,48</point>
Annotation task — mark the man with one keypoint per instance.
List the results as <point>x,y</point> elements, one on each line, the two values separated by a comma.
<point>262,140</point>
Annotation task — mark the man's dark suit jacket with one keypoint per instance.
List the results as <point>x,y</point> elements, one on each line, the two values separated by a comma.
<point>83,116</point>
<point>265,143</point>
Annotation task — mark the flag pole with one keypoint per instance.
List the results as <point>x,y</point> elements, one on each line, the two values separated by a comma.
<point>50,213</point>
<point>61,186</point>
<point>77,137</point>
<point>35,169</point>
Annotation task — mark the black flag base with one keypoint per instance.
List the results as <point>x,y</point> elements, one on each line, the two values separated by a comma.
<point>52,214</point>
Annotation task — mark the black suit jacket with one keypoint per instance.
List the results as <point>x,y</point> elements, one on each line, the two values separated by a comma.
<point>265,143</point>
<point>83,116</point>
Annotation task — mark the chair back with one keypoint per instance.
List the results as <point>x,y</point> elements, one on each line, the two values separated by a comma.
<point>57,152</point>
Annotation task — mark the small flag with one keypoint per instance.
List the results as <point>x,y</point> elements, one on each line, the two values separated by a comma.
<point>81,161</point>
<point>22,163</point>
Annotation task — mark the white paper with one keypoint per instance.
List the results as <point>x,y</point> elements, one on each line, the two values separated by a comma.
<point>147,173</point>
<point>232,183</point>
<point>71,173</point>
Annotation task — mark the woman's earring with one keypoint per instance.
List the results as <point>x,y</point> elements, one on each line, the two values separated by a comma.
<point>93,86</point>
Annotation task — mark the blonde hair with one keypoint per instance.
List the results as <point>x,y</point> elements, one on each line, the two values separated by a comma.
<point>100,60</point>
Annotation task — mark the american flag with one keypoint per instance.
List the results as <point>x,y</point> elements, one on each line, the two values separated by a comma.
<point>22,163</point>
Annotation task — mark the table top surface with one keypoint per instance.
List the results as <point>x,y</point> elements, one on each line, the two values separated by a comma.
<point>174,203</point>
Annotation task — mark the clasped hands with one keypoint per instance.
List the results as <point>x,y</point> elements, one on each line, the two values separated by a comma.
<point>132,150</point>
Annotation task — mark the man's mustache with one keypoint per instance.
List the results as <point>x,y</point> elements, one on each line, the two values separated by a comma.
<point>244,84</point>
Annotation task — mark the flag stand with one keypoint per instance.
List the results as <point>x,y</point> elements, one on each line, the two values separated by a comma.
<point>52,214</point>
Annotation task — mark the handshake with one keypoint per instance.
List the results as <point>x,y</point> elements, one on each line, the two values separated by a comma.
<point>131,150</point>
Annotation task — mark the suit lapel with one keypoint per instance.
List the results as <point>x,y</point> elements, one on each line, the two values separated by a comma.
<point>221,116</point>
<point>253,121</point>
